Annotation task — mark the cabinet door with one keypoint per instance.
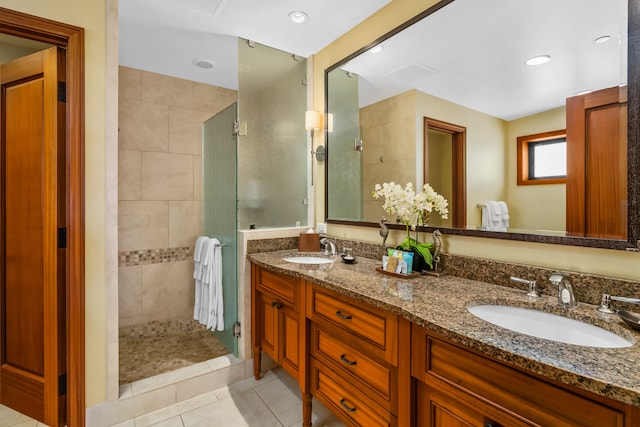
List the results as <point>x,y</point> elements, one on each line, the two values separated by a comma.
<point>289,342</point>
<point>269,330</point>
<point>437,409</point>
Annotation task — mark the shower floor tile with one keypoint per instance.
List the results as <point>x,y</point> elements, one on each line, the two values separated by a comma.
<point>149,356</point>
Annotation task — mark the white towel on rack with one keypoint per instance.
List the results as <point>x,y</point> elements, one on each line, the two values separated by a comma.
<point>495,216</point>
<point>208,306</point>
<point>215,314</point>
<point>199,254</point>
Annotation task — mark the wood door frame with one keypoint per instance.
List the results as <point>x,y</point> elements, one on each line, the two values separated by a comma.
<point>458,140</point>
<point>72,39</point>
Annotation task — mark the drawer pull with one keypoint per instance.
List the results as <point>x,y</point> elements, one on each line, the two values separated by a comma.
<point>276,304</point>
<point>343,316</point>
<point>347,407</point>
<point>347,361</point>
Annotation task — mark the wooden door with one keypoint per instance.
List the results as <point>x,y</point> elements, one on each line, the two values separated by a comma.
<point>597,164</point>
<point>33,236</point>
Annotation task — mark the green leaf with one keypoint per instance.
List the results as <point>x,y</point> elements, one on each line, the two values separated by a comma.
<point>425,253</point>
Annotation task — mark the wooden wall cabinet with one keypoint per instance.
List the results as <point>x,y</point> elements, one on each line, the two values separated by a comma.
<point>457,387</point>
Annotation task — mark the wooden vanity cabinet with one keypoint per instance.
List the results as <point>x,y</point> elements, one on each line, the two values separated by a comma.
<point>354,350</point>
<point>278,322</point>
<point>457,387</point>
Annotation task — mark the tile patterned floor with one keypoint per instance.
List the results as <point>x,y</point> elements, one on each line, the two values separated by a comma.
<point>144,357</point>
<point>274,401</point>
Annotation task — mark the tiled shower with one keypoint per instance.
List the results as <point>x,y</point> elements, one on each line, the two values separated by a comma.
<point>160,217</point>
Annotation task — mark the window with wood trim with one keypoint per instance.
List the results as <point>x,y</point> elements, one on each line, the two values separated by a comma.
<point>542,158</point>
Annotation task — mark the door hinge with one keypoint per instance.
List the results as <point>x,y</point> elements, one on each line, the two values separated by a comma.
<point>239,128</point>
<point>62,92</point>
<point>62,238</point>
<point>236,329</point>
<point>62,385</point>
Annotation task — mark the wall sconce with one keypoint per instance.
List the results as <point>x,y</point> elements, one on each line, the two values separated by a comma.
<point>312,122</point>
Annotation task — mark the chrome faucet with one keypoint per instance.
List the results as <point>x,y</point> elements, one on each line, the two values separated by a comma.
<point>566,297</point>
<point>533,291</point>
<point>606,299</point>
<point>329,246</point>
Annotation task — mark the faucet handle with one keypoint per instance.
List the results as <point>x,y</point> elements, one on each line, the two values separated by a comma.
<point>604,305</point>
<point>606,300</point>
<point>533,291</point>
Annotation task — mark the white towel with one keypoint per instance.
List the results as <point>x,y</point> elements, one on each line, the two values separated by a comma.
<point>504,213</point>
<point>208,306</point>
<point>493,216</point>
<point>198,258</point>
<point>215,314</point>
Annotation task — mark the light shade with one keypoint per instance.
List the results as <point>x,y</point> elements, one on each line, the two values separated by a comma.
<point>312,120</point>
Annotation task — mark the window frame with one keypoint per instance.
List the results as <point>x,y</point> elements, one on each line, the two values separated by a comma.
<point>523,157</point>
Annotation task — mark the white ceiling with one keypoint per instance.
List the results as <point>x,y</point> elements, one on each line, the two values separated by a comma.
<point>165,36</point>
<point>470,52</point>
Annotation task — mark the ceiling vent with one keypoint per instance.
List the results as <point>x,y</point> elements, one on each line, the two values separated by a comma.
<point>411,72</point>
<point>210,7</point>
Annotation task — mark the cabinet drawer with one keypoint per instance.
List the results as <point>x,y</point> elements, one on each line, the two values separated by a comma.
<point>507,388</point>
<point>377,376</point>
<point>345,400</point>
<point>285,287</point>
<point>378,329</point>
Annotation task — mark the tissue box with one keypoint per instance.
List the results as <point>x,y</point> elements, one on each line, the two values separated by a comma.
<point>309,242</point>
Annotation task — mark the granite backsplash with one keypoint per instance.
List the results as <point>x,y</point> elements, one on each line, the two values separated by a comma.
<point>588,288</point>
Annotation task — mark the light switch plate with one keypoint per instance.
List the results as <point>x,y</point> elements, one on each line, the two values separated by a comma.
<point>321,227</point>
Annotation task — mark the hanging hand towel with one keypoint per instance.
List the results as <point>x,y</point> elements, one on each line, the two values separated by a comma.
<point>215,320</point>
<point>199,253</point>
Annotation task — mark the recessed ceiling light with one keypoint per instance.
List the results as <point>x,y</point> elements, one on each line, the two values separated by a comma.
<point>203,63</point>
<point>602,39</point>
<point>537,60</point>
<point>377,48</point>
<point>298,17</point>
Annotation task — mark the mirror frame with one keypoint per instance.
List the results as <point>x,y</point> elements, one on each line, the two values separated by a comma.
<point>633,149</point>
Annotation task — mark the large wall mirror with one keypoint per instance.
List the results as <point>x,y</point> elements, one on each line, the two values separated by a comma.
<point>447,99</point>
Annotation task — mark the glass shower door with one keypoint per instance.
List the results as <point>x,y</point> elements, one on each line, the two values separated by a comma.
<point>219,182</point>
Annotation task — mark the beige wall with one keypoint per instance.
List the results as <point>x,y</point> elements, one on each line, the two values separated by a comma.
<point>160,190</point>
<point>539,207</point>
<point>485,146</point>
<point>90,15</point>
<point>597,261</point>
<point>390,147</point>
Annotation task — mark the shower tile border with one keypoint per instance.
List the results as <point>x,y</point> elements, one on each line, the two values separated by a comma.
<point>154,256</point>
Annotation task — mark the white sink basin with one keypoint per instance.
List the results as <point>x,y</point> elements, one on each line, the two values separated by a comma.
<point>548,326</point>
<point>307,260</point>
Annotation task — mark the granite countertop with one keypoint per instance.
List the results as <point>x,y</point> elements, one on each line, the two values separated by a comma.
<point>440,305</point>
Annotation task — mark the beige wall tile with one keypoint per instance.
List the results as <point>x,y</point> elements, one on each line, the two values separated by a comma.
<point>130,291</point>
<point>143,225</point>
<point>168,286</point>
<point>166,90</point>
<point>129,164</point>
<point>185,130</point>
<point>129,83</point>
<point>185,223</point>
<point>197,178</point>
<point>212,98</point>
<point>167,176</point>
<point>143,126</point>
